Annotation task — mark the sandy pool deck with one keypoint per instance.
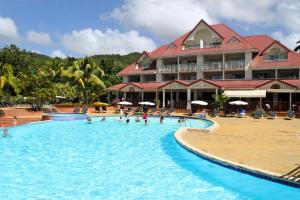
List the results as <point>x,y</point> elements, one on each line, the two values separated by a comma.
<point>272,145</point>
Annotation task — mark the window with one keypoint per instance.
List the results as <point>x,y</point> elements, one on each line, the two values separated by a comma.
<point>134,78</point>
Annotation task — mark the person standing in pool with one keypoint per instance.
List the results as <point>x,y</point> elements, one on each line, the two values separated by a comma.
<point>137,119</point>
<point>161,119</point>
<point>5,132</point>
<point>103,119</point>
<point>89,120</point>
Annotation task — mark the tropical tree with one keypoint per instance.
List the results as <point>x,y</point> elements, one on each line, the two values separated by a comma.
<point>86,73</point>
<point>297,48</point>
<point>7,78</point>
<point>220,101</point>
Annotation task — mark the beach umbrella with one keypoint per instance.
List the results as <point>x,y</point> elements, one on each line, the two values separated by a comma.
<point>239,103</point>
<point>202,103</point>
<point>147,103</point>
<point>99,104</point>
<point>124,103</point>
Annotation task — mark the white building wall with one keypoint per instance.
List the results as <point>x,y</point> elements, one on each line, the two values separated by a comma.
<point>248,60</point>
<point>159,63</point>
<point>199,66</point>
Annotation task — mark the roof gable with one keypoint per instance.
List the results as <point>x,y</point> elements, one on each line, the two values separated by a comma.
<point>174,85</point>
<point>199,26</point>
<point>275,42</point>
<point>201,83</point>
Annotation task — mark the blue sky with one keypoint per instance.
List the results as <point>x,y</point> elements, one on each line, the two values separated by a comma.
<point>79,28</point>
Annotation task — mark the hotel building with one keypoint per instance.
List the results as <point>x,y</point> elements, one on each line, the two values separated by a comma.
<point>211,59</point>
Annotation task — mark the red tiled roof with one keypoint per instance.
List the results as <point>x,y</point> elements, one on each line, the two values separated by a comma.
<point>292,61</point>
<point>259,41</point>
<point>293,82</point>
<point>134,69</point>
<point>236,84</point>
<point>224,84</point>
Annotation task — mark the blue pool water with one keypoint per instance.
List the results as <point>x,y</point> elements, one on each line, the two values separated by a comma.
<point>115,160</point>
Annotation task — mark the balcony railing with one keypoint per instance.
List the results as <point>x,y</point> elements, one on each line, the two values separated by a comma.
<point>191,67</point>
<point>168,68</point>
<point>212,66</point>
<point>234,65</point>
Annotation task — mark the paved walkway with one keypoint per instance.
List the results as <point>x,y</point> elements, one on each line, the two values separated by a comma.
<point>271,145</point>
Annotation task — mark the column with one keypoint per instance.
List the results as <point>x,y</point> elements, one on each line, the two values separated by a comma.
<point>260,103</point>
<point>223,67</point>
<point>188,97</point>
<point>276,73</point>
<point>164,99</point>
<point>142,95</point>
<point>290,99</point>
<point>172,101</point>
<point>217,90</point>
<point>124,96</point>
<point>117,95</point>
<point>177,99</point>
<point>195,95</point>
<point>156,95</point>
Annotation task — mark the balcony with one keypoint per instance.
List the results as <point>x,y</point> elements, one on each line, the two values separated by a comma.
<point>212,66</point>
<point>168,68</point>
<point>235,65</point>
<point>191,67</point>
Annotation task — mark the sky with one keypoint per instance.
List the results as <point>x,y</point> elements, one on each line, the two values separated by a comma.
<point>82,28</point>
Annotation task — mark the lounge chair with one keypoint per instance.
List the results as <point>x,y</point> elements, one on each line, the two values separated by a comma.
<point>170,111</point>
<point>54,110</point>
<point>76,109</point>
<point>290,115</point>
<point>258,114</point>
<point>163,110</point>
<point>272,115</point>
<point>85,109</point>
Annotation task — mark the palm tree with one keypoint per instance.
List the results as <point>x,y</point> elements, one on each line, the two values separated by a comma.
<point>220,101</point>
<point>7,78</point>
<point>86,73</point>
<point>297,48</point>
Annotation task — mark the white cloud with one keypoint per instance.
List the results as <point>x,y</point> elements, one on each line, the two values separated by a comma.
<point>58,53</point>
<point>287,39</point>
<point>8,30</point>
<point>39,38</point>
<point>91,42</point>
<point>169,19</point>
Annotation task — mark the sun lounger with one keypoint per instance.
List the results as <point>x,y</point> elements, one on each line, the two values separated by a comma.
<point>272,115</point>
<point>290,115</point>
<point>54,110</point>
<point>76,109</point>
<point>170,111</point>
<point>46,110</point>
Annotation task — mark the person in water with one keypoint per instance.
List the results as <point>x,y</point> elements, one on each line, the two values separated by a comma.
<point>5,132</point>
<point>181,119</point>
<point>137,119</point>
<point>103,119</point>
<point>89,120</point>
<point>127,120</point>
<point>161,119</point>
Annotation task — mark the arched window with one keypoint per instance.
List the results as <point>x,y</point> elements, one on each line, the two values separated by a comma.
<point>275,86</point>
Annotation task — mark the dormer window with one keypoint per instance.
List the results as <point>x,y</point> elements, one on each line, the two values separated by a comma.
<point>145,62</point>
<point>234,40</point>
<point>275,54</point>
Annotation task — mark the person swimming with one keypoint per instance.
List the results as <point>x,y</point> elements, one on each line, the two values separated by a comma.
<point>127,120</point>
<point>89,120</point>
<point>147,121</point>
<point>181,119</point>
<point>103,119</point>
<point>5,132</point>
<point>161,119</point>
<point>137,119</point>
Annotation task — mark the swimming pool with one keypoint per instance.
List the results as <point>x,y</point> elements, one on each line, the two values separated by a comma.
<point>115,160</point>
<point>64,116</point>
